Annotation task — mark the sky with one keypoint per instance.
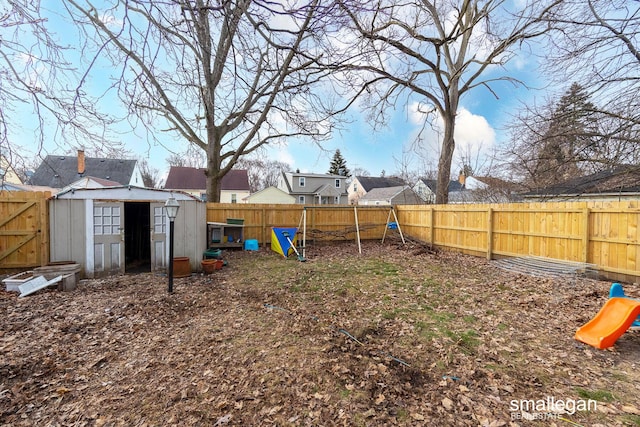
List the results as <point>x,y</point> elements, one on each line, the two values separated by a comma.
<point>480,119</point>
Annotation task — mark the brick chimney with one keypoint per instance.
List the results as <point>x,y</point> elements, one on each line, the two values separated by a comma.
<point>462,178</point>
<point>81,164</point>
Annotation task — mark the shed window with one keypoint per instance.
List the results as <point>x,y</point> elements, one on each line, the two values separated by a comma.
<point>106,220</point>
<point>159,220</point>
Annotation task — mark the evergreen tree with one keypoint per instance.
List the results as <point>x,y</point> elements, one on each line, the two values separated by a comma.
<point>339,165</point>
<point>570,139</point>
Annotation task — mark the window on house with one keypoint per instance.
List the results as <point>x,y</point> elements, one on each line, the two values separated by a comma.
<point>355,186</point>
<point>234,198</point>
<point>336,200</point>
<point>301,200</point>
<point>301,181</point>
<point>337,183</point>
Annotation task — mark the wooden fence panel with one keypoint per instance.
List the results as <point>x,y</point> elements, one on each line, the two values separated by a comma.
<point>605,233</point>
<point>24,229</point>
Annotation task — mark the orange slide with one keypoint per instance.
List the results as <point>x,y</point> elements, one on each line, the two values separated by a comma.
<point>613,319</point>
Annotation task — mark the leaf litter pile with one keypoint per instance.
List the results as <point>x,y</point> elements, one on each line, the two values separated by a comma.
<point>397,335</point>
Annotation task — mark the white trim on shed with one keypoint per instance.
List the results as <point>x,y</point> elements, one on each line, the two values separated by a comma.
<point>137,214</point>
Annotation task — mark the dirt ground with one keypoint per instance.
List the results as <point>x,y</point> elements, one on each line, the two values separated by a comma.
<point>397,335</point>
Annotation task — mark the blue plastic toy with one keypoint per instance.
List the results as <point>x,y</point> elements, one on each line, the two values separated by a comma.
<point>617,291</point>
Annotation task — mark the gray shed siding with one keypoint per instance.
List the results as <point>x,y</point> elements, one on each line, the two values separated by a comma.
<point>71,218</point>
<point>67,231</point>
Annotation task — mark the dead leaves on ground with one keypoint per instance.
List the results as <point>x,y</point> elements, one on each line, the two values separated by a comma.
<point>393,336</point>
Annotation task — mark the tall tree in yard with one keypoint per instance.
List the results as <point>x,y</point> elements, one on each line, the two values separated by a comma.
<point>228,77</point>
<point>598,46</point>
<point>339,165</point>
<point>566,139</point>
<point>437,51</point>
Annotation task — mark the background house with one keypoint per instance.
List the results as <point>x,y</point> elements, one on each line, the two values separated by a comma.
<point>402,195</point>
<point>7,174</point>
<point>361,185</point>
<point>314,189</point>
<point>426,189</point>
<point>619,183</point>
<point>234,185</point>
<point>62,171</point>
<point>270,195</point>
<point>484,189</point>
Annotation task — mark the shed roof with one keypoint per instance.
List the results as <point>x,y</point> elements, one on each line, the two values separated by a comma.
<point>125,193</point>
<point>60,171</point>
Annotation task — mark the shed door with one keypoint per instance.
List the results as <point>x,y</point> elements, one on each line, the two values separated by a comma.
<point>159,232</point>
<point>108,237</point>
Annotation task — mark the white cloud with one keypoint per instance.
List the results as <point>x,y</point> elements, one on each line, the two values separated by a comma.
<point>473,132</point>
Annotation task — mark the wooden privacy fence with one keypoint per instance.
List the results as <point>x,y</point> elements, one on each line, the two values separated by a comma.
<point>323,222</point>
<point>24,229</point>
<point>606,234</point>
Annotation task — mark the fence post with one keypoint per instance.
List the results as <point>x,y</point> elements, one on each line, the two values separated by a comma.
<point>263,225</point>
<point>586,213</point>
<point>489,233</point>
<point>432,230</point>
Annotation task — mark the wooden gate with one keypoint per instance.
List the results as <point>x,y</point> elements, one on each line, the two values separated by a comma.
<point>24,229</point>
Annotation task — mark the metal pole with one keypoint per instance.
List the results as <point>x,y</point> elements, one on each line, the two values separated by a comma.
<point>171,256</point>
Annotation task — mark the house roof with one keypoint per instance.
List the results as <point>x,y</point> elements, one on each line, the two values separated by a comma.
<point>60,171</point>
<point>386,193</point>
<point>454,185</point>
<point>186,178</point>
<point>621,179</point>
<point>25,187</point>
<point>271,189</point>
<point>370,182</point>
<point>314,175</point>
<point>327,191</point>
<point>389,193</point>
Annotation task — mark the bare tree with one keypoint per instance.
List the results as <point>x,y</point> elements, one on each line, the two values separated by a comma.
<point>565,138</point>
<point>439,51</point>
<point>150,175</point>
<point>227,77</point>
<point>37,80</point>
<point>262,173</point>
<point>598,46</point>
<point>192,157</point>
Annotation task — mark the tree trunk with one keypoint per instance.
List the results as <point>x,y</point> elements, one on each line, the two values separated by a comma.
<point>446,155</point>
<point>444,165</point>
<point>213,166</point>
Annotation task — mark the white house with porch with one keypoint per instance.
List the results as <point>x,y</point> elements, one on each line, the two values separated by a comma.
<point>314,189</point>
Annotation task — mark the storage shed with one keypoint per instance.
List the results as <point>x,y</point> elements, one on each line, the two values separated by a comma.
<point>124,229</point>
